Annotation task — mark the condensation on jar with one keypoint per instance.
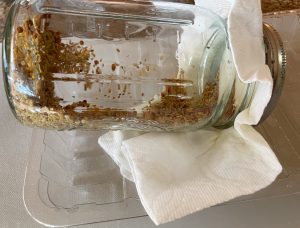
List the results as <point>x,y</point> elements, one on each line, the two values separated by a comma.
<point>156,66</point>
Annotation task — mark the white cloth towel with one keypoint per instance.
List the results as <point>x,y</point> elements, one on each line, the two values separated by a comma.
<point>177,174</point>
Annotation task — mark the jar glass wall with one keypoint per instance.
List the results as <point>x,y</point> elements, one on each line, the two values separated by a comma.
<point>115,65</point>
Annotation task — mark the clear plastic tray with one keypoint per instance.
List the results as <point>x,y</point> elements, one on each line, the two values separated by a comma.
<point>71,181</point>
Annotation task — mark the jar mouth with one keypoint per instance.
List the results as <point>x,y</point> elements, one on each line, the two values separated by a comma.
<point>277,62</point>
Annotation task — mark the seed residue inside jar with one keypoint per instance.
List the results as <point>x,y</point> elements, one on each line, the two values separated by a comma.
<point>41,56</point>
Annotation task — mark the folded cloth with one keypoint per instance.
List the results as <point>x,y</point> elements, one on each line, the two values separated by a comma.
<point>177,174</point>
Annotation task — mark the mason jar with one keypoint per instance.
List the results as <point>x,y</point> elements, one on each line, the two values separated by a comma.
<point>143,65</point>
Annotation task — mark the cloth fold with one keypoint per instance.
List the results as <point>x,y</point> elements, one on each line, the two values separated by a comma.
<point>177,174</point>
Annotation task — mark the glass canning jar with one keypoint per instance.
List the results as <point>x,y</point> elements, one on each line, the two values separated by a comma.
<point>144,65</point>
